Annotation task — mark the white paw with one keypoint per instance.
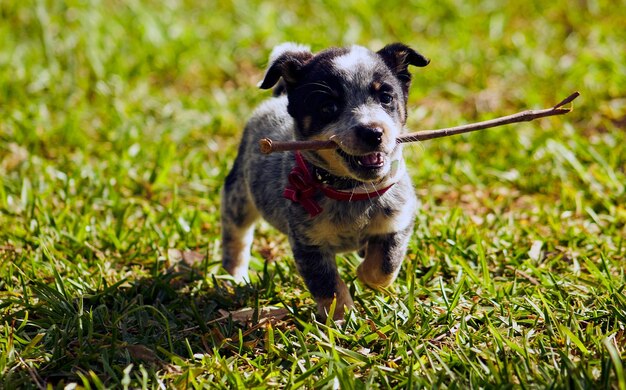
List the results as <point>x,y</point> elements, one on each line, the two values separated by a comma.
<point>240,275</point>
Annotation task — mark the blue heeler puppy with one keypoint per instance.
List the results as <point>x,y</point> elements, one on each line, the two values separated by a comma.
<point>355,197</point>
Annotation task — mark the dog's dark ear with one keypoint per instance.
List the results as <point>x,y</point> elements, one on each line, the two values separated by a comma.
<point>398,57</point>
<point>286,61</point>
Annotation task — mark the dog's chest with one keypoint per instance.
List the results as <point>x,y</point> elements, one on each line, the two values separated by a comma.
<point>339,235</point>
<point>345,228</point>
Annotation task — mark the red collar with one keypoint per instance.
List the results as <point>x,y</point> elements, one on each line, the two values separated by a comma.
<point>302,188</point>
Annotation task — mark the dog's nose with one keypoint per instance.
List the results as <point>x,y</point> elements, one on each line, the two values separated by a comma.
<point>371,135</point>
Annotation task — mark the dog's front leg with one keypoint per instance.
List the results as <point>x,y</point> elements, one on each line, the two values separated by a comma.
<point>319,271</point>
<point>383,258</point>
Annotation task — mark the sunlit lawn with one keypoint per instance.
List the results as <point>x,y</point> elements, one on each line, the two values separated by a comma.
<point>119,121</point>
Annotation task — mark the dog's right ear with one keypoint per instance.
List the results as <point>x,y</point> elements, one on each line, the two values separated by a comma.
<point>286,61</point>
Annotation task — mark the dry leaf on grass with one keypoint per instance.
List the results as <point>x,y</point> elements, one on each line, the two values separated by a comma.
<point>188,257</point>
<point>247,313</point>
<point>183,260</point>
<point>141,352</point>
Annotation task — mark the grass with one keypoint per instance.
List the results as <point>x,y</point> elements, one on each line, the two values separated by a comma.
<point>119,121</point>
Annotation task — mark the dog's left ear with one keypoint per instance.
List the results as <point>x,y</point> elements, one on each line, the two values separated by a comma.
<point>286,61</point>
<point>398,57</point>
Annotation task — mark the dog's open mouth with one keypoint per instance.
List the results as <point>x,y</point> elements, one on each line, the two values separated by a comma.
<point>372,160</point>
<point>367,166</point>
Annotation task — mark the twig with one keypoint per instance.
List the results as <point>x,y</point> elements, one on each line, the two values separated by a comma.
<point>524,274</point>
<point>33,374</point>
<point>268,146</point>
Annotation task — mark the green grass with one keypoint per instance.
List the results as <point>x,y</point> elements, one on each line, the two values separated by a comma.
<point>119,121</point>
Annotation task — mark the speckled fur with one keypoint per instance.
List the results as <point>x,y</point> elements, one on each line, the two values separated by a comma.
<point>381,227</point>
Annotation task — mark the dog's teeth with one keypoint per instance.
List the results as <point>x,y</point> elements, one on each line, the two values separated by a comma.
<point>373,159</point>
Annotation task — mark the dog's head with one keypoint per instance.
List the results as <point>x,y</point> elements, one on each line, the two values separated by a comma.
<point>354,96</point>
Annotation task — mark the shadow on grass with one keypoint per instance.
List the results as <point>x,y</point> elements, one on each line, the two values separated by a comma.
<point>63,332</point>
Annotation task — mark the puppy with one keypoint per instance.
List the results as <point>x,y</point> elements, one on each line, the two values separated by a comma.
<point>355,197</point>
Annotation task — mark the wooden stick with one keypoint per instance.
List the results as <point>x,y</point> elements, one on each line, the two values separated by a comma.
<point>268,146</point>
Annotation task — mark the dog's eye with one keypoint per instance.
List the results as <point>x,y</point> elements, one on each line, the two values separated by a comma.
<point>385,98</point>
<point>329,108</point>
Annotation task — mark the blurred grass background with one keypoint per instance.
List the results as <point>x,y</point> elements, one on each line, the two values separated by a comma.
<point>119,120</point>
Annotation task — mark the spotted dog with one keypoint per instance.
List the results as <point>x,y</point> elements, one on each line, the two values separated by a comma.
<point>357,197</point>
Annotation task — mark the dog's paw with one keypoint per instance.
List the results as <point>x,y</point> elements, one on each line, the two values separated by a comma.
<point>239,274</point>
<point>341,308</point>
<point>374,277</point>
<point>342,302</point>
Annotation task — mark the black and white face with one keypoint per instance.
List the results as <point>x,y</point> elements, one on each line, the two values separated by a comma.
<point>355,97</point>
